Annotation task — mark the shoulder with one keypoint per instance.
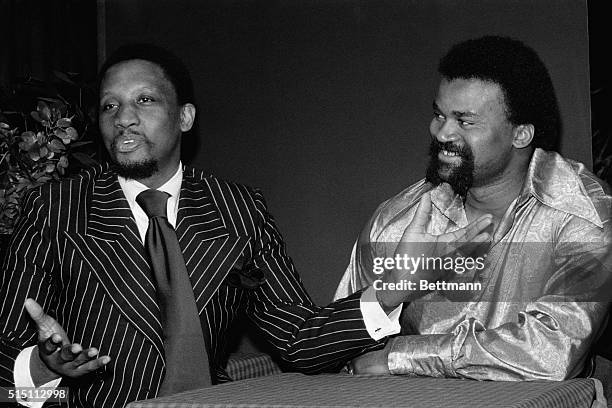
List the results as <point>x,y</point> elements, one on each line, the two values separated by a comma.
<point>568,187</point>
<point>220,189</point>
<point>60,192</point>
<point>597,190</point>
<point>239,205</point>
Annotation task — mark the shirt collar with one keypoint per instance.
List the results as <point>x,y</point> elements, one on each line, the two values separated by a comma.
<point>131,188</point>
<point>555,182</point>
<point>551,179</point>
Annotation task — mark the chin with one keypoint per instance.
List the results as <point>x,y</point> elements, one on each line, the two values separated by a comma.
<point>136,170</point>
<point>445,173</point>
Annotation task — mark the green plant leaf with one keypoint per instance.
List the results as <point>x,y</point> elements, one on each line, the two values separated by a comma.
<point>50,100</point>
<point>36,116</point>
<point>56,146</point>
<point>64,77</point>
<point>34,155</point>
<point>28,136</point>
<point>81,143</point>
<point>43,110</point>
<point>72,133</point>
<point>41,138</point>
<point>61,133</point>
<point>43,151</point>
<point>64,122</point>
<point>62,162</point>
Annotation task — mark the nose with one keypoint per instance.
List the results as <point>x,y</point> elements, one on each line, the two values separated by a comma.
<point>445,131</point>
<point>126,116</point>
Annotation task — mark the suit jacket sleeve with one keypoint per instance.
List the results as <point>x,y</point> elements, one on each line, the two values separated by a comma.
<point>308,338</point>
<point>24,274</point>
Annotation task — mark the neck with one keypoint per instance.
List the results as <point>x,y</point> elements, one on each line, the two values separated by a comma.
<point>495,197</point>
<point>155,181</point>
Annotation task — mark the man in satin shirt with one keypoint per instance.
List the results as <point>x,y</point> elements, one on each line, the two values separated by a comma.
<point>540,301</point>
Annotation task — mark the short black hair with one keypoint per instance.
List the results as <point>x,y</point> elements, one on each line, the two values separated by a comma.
<point>173,67</point>
<point>522,76</point>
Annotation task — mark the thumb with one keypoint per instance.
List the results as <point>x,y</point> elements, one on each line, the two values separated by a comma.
<point>36,312</point>
<point>421,217</point>
<point>46,325</point>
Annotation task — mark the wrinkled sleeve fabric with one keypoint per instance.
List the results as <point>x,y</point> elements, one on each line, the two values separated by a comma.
<point>550,339</point>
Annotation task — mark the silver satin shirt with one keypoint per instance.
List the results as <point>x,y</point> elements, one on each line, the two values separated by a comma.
<point>546,283</point>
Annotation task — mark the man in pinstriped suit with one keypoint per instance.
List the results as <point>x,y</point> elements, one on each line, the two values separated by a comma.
<point>77,255</point>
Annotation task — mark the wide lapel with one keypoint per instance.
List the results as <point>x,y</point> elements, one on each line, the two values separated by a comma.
<point>114,252</point>
<point>210,250</point>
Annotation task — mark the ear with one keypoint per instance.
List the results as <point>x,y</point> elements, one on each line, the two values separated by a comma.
<point>523,135</point>
<point>188,112</point>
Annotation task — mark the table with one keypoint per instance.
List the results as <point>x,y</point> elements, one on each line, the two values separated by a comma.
<point>293,390</point>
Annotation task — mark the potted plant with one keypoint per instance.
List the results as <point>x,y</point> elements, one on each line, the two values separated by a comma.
<point>45,142</point>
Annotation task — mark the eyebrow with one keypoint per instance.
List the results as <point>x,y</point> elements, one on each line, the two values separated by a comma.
<point>143,88</point>
<point>458,114</point>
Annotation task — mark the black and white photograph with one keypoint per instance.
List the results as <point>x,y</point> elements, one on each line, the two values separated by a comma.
<point>305,203</point>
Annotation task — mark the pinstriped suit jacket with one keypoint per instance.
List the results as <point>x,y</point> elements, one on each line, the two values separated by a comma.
<point>77,251</point>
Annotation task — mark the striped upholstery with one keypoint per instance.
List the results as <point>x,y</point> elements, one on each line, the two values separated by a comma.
<point>77,251</point>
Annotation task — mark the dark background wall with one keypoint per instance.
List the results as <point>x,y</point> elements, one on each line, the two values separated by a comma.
<point>41,36</point>
<point>325,104</point>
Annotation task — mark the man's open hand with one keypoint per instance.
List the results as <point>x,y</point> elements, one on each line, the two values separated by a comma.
<point>55,356</point>
<point>417,243</point>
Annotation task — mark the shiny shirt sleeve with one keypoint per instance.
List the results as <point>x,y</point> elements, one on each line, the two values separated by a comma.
<point>550,339</point>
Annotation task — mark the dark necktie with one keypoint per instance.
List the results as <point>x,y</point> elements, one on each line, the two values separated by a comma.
<point>187,364</point>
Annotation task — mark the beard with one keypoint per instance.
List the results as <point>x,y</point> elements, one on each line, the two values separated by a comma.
<point>136,170</point>
<point>460,177</point>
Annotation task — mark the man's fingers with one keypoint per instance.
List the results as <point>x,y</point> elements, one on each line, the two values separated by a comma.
<point>51,344</point>
<point>477,227</point>
<point>478,245</point>
<point>85,356</point>
<point>46,325</point>
<point>471,231</point>
<point>36,312</point>
<point>93,365</point>
<point>421,217</point>
<point>70,351</point>
<point>73,361</point>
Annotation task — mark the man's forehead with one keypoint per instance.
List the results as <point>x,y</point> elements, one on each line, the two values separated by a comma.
<point>141,66</point>
<point>138,72</point>
<point>468,97</point>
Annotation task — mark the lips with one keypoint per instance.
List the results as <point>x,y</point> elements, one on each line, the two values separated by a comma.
<point>126,143</point>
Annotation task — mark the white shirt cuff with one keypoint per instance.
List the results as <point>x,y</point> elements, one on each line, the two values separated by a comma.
<point>23,377</point>
<point>377,322</point>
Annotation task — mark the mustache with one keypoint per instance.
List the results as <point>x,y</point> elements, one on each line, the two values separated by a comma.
<point>127,133</point>
<point>436,147</point>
